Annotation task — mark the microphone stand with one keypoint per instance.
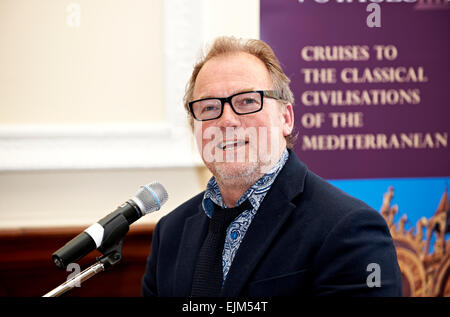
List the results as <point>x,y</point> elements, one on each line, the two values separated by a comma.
<point>111,256</point>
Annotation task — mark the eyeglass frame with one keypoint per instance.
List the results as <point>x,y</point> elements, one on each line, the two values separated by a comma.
<point>263,93</point>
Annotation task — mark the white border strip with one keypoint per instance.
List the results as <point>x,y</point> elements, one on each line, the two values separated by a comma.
<point>115,146</point>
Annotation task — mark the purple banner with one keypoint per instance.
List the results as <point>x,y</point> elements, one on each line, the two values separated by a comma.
<point>371,84</point>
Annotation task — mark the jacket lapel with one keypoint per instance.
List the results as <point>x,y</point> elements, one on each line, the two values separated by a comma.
<point>269,219</point>
<point>194,232</point>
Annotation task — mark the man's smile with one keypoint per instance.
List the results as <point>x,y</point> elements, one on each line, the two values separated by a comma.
<point>231,145</point>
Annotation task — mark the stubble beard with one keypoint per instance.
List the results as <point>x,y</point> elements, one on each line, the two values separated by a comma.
<point>241,175</point>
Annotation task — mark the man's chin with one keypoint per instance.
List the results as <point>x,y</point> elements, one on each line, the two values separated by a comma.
<point>225,172</point>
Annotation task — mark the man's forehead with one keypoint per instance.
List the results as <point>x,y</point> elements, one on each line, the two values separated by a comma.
<point>231,73</point>
<point>242,59</point>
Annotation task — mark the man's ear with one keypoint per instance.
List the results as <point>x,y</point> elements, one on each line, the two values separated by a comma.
<point>287,117</point>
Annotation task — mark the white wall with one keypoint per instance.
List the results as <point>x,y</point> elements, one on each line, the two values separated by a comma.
<point>53,71</point>
<point>90,111</point>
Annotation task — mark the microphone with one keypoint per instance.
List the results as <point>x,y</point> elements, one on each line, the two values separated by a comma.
<point>112,228</point>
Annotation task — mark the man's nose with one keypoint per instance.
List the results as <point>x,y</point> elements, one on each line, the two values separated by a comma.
<point>229,117</point>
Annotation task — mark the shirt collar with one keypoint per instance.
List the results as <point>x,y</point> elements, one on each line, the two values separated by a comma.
<point>212,193</point>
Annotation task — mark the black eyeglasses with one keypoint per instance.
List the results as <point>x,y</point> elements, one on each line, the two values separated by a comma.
<point>242,103</point>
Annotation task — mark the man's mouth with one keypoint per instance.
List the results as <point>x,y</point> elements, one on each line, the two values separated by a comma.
<point>231,145</point>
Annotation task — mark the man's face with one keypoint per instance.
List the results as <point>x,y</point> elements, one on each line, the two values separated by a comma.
<point>236,146</point>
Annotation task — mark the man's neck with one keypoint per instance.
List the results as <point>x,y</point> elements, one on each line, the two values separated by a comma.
<point>232,190</point>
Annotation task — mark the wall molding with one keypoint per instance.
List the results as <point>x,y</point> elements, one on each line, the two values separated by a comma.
<point>96,146</point>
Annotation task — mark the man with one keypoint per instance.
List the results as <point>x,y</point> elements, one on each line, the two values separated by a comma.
<point>289,232</point>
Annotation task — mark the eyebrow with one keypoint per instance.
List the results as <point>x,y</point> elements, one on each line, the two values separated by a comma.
<point>236,92</point>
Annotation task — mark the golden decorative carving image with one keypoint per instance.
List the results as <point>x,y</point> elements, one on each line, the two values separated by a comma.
<point>424,273</point>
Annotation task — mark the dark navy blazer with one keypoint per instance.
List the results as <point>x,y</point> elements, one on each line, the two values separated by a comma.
<point>307,238</point>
